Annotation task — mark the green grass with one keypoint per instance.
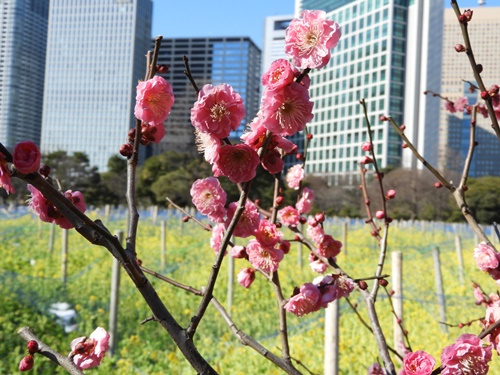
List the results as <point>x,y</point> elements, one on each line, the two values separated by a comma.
<point>31,280</point>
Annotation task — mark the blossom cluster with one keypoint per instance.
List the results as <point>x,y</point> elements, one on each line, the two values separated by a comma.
<point>462,104</point>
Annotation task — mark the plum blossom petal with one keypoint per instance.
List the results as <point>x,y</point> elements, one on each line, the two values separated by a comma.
<point>209,198</point>
<point>88,352</point>
<point>154,100</point>
<point>236,162</point>
<point>485,257</point>
<point>294,176</point>
<point>418,363</point>
<point>466,356</point>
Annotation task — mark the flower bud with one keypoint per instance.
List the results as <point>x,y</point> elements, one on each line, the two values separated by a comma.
<point>479,68</point>
<point>485,95</point>
<point>380,214</point>
<point>26,157</point>
<point>383,118</point>
<point>302,220</point>
<point>404,145</point>
<point>438,185</point>
<point>320,217</point>
<point>32,346</point>
<point>391,194</point>
<point>279,200</point>
<point>383,282</point>
<point>44,170</point>
<point>26,363</point>
<point>459,48</point>
<point>366,160</point>
<point>362,284</point>
<point>367,146</point>
<point>309,136</point>
<point>402,127</point>
<point>162,69</point>
<point>126,150</point>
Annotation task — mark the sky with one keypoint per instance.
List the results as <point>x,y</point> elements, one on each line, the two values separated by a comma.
<point>213,18</point>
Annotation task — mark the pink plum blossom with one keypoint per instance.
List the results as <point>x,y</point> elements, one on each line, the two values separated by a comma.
<point>273,162</point>
<point>466,356</point>
<point>333,287</point>
<point>309,39</point>
<point>208,145</point>
<point>5,176</point>
<point>152,133</point>
<point>154,100</point>
<point>265,258</point>
<point>280,74</point>
<point>48,213</point>
<point>288,110</point>
<point>294,176</point>
<point>218,110</point>
<point>461,103</point>
<point>306,301</point>
<point>491,315</point>
<point>26,157</point>
<point>418,363</point>
<point>246,277</point>
<point>329,247</point>
<point>485,257</point>
<point>316,264</point>
<point>315,231</point>
<point>217,236</point>
<point>236,162</point>
<point>209,198</point>
<point>448,105</point>
<point>88,352</point>
<point>367,146</point>
<point>289,216</point>
<point>305,203</point>
<point>249,220</point>
<point>267,234</point>
<point>375,369</point>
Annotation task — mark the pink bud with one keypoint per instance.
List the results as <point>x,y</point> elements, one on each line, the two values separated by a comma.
<point>404,145</point>
<point>485,95</point>
<point>390,194</point>
<point>26,363</point>
<point>367,146</point>
<point>26,157</point>
<point>366,160</point>
<point>459,48</point>
<point>362,284</point>
<point>320,217</point>
<point>32,346</point>
<point>380,214</point>
<point>279,200</point>
<point>246,277</point>
<point>309,136</point>
<point>383,118</point>
<point>402,127</point>
<point>438,185</point>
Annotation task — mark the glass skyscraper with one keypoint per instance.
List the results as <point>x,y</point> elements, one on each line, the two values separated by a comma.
<point>95,57</point>
<point>369,62</point>
<point>23,39</point>
<point>232,60</point>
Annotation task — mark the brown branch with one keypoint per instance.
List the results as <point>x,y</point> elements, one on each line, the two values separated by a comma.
<point>475,70</point>
<point>27,334</point>
<point>188,74</point>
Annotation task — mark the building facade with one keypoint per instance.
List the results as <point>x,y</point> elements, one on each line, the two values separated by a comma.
<point>95,57</point>
<point>454,129</point>
<point>274,39</point>
<point>22,65</point>
<point>369,62</point>
<point>232,60</point>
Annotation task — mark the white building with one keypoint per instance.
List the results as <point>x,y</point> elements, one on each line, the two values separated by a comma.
<point>95,57</point>
<point>274,39</point>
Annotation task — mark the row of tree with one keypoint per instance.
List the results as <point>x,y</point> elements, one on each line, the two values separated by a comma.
<point>168,175</point>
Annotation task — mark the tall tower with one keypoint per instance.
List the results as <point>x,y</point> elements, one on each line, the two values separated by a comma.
<point>95,56</point>
<point>274,39</point>
<point>232,60</point>
<point>372,61</point>
<point>22,65</point>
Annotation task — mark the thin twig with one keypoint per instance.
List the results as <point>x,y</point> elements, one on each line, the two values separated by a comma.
<point>188,74</point>
<point>27,334</point>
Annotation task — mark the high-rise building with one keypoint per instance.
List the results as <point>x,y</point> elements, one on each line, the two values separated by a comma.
<point>22,65</point>
<point>454,129</point>
<point>95,56</point>
<point>369,62</point>
<point>274,39</point>
<point>232,60</point>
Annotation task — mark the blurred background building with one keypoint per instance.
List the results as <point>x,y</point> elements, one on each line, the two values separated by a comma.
<point>95,57</point>
<point>23,37</point>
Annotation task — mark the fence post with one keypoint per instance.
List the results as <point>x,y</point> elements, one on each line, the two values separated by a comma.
<point>331,362</point>
<point>230,281</point>
<point>64,255</point>
<point>163,239</point>
<point>344,237</point>
<point>114,299</point>
<point>458,249</point>
<point>397,298</point>
<point>51,237</point>
<point>439,288</point>
<point>155,214</point>
<point>107,212</point>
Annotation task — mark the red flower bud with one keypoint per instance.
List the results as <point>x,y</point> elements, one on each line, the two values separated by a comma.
<point>302,220</point>
<point>185,219</point>
<point>32,346</point>
<point>278,225</point>
<point>162,69</point>
<point>383,282</point>
<point>299,156</point>
<point>126,150</point>
<point>362,284</point>
<point>438,185</point>
<point>320,217</point>
<point>479,68</point>
<point>383,118</point>
<point>279,200</point>
<point>44,170</point>
<point>367,202</point>
<point>309,136</point>
<point>402,127</point>
<point>390,194</point>
<point>485,95</point>
<point>392,292</point>
<point>399,321</point>
<point>26,157</point>
<point>26,363</point>
<point>380,214</point>
<point>459,48</point>
<point>404,145</point>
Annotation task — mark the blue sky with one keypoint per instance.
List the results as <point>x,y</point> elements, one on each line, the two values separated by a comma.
<point>201,18</point>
